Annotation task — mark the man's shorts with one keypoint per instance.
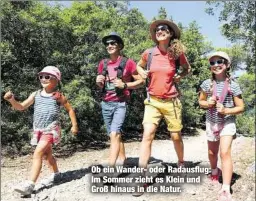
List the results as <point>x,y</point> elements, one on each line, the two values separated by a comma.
<point>229,129</point>
<point>113,114</point>
<point>170,109</point>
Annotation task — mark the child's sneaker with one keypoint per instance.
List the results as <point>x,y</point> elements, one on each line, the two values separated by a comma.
<point>181,164</point>
<point>53,179</point>
<point>215,178</point>
<point>142,187</point>
<point>25,188</point>
<point>224,196</point>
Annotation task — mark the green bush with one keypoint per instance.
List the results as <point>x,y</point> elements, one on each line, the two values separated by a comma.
<point>246,124</point>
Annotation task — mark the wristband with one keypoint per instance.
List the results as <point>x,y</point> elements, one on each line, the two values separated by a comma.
<point>125,86</point>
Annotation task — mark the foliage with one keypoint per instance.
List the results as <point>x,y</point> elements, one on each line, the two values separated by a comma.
<point>247,84</point>
<point>35,34</point>
<point>239,25</point>
<point>246,122</point>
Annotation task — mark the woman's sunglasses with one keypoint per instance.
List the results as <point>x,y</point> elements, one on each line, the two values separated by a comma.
<point>112,42</point>
<point>220,61</point>
<point>46,77</point>
<point>162,28</point>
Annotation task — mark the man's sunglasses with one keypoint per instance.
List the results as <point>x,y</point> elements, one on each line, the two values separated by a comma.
<point>46,77</point>
<point>107,43</point>
<point>219,61</point>
<point>162,28</point>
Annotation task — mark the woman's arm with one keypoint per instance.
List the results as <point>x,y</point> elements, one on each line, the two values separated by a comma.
<point>141,69</point>
<point>186,70</point>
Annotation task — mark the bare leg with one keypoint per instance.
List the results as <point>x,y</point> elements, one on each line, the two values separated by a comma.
<point>38,159</point>
<point>178,145</point>
<point>51,160</point>
<point>226,160</point>
<point>213,149</point>
<point>115,139</point>
<point>121,155</point>
<point>145,147</point>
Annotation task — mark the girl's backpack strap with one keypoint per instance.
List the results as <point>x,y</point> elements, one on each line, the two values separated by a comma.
<point>38,92</point>
<point>223,93</point>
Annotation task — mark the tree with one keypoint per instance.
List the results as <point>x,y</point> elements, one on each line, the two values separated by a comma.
<point>246,121</point>
<point>239,25</point>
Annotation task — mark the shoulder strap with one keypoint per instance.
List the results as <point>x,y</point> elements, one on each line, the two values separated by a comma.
<point>38,92</point>
<point>177,64</point>
<point>224,91</point>
<point>149,59</point>
<point>120,68</point>
<point>105,67</point>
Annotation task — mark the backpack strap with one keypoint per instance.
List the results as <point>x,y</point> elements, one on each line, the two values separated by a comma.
<point>177,71</point>
<point>150,56</point>
<point>177,64</point>
<point>121,67</point>
<point>105,67</point>
<point>120,70</point>
<point>224,92</point>
<point>149,60</point>
<point>104,72</point>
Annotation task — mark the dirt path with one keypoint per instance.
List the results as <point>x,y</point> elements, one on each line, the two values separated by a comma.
<point>76,174</point>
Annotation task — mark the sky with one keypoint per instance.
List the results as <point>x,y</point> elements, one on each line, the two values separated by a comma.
<point>184,12</point>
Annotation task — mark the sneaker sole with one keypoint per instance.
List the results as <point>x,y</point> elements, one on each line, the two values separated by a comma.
<point>138,194</point>
<point>22,192</point>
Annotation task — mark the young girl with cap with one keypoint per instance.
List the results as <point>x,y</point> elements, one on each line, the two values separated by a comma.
<point>222,98</point>
<point>116,92</point>
<point>163,95</point>
<point>46,124</point>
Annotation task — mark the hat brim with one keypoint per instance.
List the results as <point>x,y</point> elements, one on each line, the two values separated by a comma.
<point>119,39</point>
<point>42,72</point>
<point>172,25</point>
<point>220,54</point>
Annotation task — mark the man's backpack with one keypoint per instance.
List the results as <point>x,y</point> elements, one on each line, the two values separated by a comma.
<point>149,60</point>
<point>119,69</point>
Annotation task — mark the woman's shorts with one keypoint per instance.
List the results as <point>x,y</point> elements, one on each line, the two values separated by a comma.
<point>170,109</point>
<point>113,114</point>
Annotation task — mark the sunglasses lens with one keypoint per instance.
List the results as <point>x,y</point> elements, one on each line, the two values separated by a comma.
<point>46,77</point>
<point>110,43</point>
<point>162,28</point>
<point>219,61</point>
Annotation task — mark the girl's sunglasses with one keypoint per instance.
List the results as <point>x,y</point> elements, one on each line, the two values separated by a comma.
<point>220,61</point>
<point>46,77</point>
<point>112,42</point>
<point>162,28</point>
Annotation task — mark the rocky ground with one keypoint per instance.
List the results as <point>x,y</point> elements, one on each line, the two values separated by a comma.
<point>76,169</point>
